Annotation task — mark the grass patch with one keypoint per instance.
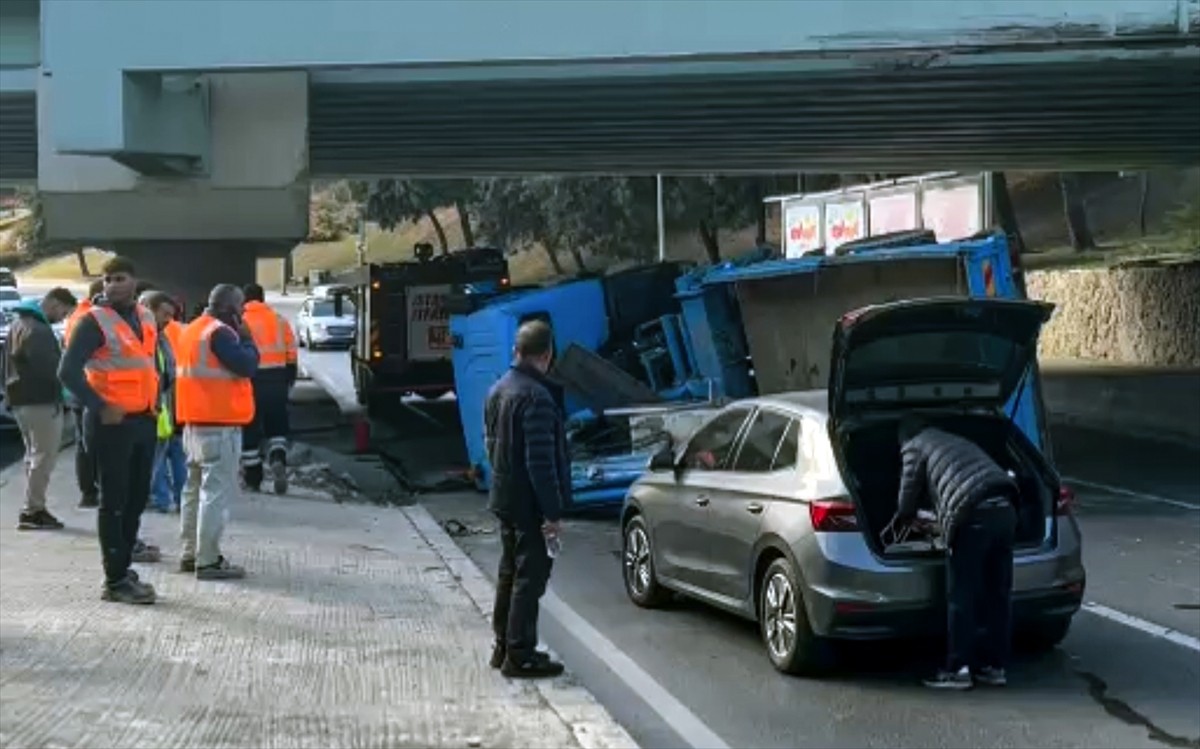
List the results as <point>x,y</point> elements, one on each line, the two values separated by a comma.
<point>1113,252</point>
<point>64,267</point>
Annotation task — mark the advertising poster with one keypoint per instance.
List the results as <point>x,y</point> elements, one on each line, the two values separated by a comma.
<point>844,222</point>
<point>952,212</point>
<point>895,212</point>
<point>801,228</point>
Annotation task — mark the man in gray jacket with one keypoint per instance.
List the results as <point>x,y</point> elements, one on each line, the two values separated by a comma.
<point>973,498</point>
<point>36,397</point>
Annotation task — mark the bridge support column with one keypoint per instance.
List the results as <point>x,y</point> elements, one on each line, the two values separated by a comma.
<point>190,269</point>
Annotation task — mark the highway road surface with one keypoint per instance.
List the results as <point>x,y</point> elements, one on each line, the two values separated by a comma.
<point>1128,674</point>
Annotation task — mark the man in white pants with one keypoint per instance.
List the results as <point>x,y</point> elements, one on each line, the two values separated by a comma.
<point>214,400</point>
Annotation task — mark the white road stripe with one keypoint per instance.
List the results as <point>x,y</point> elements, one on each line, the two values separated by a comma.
<point>673,712</point>
<point>1130,493</point>
<point>1150,628</point>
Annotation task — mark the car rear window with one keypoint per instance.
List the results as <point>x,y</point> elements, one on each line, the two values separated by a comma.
<point>758,450</point>
<point>326,309</point>
<point>948,353</point>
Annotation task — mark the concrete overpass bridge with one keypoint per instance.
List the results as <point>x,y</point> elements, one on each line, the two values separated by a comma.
<point>185,132</point>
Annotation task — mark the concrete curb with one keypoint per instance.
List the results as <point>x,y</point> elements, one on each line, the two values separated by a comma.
<point>591,724</point>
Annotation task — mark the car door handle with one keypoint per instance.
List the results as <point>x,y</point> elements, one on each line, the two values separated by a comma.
<point>702,500</point>
<point>754,508</point>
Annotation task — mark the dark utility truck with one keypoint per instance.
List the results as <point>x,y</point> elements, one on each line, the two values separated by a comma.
<point>403,335</point>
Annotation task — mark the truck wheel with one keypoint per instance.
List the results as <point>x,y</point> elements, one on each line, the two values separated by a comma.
<point>791,644</point>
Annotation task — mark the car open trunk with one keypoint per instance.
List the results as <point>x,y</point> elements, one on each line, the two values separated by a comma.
<point>870,456</point>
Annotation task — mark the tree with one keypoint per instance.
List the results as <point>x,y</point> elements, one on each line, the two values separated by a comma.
<point>602,216</point>
<point>30,236</point>
<point>1076,212</point>
<point>391,202</point>
<point>711,203</point>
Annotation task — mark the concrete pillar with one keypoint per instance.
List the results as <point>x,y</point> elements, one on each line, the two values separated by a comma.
<point>191,269</point>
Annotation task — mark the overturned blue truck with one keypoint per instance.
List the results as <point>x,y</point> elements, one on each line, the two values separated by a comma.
<point>646,355</point>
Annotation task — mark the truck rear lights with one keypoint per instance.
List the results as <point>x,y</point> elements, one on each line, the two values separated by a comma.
<point>833,515</point>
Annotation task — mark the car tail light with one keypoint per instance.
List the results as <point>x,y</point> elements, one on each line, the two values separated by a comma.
<point>833,515</point>
<point>1066,501</point>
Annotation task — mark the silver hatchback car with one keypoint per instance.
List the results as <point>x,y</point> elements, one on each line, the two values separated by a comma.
<point>776,508</point>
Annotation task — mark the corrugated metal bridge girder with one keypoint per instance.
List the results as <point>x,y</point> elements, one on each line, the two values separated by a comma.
<point>18,137</point>
<point>1102,114</point>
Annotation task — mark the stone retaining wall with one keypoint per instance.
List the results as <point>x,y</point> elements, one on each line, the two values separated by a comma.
<point>1142,315</point>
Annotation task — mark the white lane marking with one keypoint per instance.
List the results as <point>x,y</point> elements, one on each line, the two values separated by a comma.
<point>1150,628</point>
<point>673,712</point>
<point>1130,493</point>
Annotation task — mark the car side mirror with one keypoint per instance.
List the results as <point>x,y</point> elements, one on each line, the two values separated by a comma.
<point>663,460</point>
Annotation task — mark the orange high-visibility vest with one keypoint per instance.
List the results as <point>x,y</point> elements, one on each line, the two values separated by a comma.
<point>76,315</point>
<point>205,391</point>
<point>272,335</point>
<point>173,330</point>
<point>122,371</point>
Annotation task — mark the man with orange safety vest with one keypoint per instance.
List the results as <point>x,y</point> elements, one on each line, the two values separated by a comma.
<point>85,461</point>
<point>109,366</point>
<point>267,435</point>
<point>214,400</point>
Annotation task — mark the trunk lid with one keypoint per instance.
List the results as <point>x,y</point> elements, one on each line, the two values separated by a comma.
<point>932,352</point>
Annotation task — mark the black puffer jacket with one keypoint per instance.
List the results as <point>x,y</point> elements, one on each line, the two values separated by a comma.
<point>957,474</point>
<point>527,448</point>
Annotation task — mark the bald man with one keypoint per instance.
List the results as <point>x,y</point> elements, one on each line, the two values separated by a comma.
<point>214,400</point>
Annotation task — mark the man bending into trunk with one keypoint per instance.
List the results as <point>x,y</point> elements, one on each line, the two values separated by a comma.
<point>973,498</point>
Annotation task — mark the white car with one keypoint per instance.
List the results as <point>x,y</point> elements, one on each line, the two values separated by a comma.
<point>9,298</point>
<point>318,325</point>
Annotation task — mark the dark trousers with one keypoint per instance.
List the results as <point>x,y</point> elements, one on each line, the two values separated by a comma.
<point>270,422</point>
<point>979,578</point>
<point>125,464</point>
<point>85,461</point>
<point>524,572</point>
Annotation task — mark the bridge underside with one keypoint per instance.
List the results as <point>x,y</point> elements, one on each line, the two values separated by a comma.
<point>1085,114</point>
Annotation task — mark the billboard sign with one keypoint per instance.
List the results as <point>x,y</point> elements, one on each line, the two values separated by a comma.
<point>844,222</point>
<point>894,212</point>
<point>801,228</point>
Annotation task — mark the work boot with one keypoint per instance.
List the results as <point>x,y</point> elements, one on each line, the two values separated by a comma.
<point>129,591</point>
<point>89,502</point>
<point>145,553</point>
<point>534,666</point>
<point>41,520</point>
<point>222,570</point>
<point>187,564</point>
<point>137,580</point>
<point>279,471</point>
<point>945,679</point>
<point>500,652</point>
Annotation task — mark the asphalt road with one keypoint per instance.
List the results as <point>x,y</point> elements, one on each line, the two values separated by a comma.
<point>691,676</point>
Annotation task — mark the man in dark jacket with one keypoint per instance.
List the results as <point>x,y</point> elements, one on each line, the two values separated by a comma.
<point>531,483</point>
<point>36,397</point>
<point>973,498</point>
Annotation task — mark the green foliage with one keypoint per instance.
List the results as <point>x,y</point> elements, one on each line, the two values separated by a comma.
<point>333,213</point>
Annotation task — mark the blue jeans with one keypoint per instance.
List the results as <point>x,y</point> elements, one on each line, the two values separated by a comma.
<point>170,473</point>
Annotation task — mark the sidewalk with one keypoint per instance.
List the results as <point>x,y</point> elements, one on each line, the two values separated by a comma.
<point>350,630</point>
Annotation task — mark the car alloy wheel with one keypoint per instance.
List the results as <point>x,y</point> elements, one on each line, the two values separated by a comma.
<point>637,566</point>
<point>779,616</point>
<point>637,560</point>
